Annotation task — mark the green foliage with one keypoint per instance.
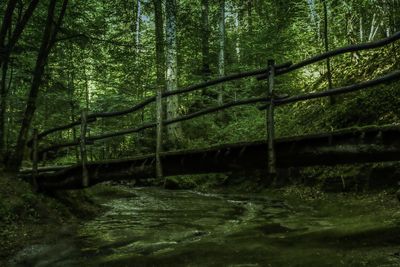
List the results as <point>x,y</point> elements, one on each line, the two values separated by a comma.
<point>102,62</point>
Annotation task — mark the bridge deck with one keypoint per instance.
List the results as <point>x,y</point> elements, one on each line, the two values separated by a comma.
<point>355,145</point>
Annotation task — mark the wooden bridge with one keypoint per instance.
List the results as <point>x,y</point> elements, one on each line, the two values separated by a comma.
<point>355,145</point>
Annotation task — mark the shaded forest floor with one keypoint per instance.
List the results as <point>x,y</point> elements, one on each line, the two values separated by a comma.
<point>27,217</point>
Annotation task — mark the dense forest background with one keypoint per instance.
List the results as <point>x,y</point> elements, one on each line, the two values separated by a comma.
<point>59,57</point>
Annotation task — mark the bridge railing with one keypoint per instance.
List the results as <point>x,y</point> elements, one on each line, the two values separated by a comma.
<point>269,99</point>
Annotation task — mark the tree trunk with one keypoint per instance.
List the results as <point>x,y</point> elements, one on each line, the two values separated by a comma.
<point>8,109</point>
<point>138,20</point>
<point>249,15</point>
<point>71,92</point>
<point>3,106</point>
<point>5,26</point>
<point>5,52</point>
<point>174,131</point>
<point>221,57</point>
<point>160,53</point>
<point>238,34</point>
<point>4,57</point>
<point>47,43</point>
<point>314,17</point>
<point>326,42</point>
<point>205,39</point>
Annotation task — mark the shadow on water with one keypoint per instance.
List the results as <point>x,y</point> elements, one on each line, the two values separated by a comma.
<point>154,227</point>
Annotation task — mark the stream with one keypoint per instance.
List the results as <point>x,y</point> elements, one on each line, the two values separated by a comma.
<point>156,227</point>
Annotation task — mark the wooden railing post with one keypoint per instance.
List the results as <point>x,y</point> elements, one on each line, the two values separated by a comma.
<point>85,174</point>
<point>35,146</point>
<point>159,172</point>
<point>270,119</point>
<point>44,159</point>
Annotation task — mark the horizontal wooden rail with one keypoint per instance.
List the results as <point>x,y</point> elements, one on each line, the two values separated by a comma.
<point>391,77</point>
<point>64,127</point>
<point>92,117</point>
<point>136,107</point>
<point>214,109</point>
<point>339,51</point>
<point>224,79</point>
<point>179,119</point>
<point>278,102</point>
<point>123,132</point>
<point>55,147</point>
<point>149,125</point>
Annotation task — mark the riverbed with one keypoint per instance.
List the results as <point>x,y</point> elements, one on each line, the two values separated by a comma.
<point>157,227</point>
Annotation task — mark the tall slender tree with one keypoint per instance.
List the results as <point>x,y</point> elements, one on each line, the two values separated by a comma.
<point>160,51</point>
<point>6,49</point>
<point>314,17</point>
<point>205,39</point>
<point>174,131</point>
<point>238,33</point>
<point>52,27</point>
<point>326,43</point>
<point>221,57</point>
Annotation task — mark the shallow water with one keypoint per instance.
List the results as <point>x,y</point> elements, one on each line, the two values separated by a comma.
<point>155,227</point>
